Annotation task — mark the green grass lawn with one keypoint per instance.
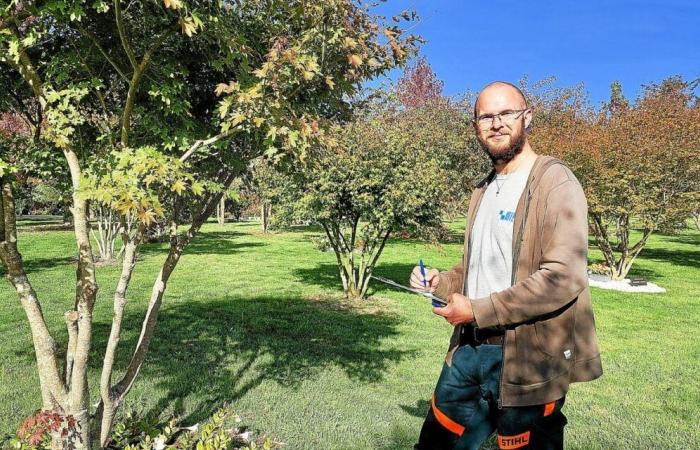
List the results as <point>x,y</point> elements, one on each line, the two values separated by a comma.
<point>257,321</point>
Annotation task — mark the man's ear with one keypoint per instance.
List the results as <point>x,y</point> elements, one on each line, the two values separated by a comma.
<point>528,118</point>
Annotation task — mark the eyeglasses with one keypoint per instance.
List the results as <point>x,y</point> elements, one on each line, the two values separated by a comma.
<point>508,117</point>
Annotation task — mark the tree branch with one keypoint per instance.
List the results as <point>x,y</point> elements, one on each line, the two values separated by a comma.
<point>109,401</point>
<point>122,34</point>
<point>86,288</point>
<point>94,40</point>
<point>139,70</point>
<point>205,143</point>
<point>177,246</point>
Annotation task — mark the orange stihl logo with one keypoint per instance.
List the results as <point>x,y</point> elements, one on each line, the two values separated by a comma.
<point>511,442</point>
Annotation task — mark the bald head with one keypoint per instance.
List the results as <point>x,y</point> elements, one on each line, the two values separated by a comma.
<point>499,94</point>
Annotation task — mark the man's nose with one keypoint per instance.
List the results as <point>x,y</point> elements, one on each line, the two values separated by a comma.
<point>496,122</point>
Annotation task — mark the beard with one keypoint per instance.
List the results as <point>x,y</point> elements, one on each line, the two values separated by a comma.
<point>505,152</point>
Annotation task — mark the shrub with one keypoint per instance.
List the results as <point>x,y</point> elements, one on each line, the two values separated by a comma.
<point>222,431</point>
<point>37,430</point>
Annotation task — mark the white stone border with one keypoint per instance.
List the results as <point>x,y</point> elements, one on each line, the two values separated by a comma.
<point>603,282</point>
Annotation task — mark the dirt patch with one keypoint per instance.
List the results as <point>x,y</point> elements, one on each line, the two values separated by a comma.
<point>372,305</point>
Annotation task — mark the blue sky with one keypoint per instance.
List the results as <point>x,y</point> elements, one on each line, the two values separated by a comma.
<point>470,43</point>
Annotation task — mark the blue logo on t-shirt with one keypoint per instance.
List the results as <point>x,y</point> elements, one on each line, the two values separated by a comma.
<point>508,216</point>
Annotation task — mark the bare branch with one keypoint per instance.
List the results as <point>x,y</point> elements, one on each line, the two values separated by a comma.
<point>122,34</point>
<point>94,40</point>
<point>86,289</point>
<point>135,81</point>
<point>205,143</point>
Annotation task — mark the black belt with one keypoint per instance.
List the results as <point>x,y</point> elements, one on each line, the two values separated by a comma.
<point>471,335</point>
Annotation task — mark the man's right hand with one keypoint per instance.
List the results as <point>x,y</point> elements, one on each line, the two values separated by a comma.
<point>431,278</point>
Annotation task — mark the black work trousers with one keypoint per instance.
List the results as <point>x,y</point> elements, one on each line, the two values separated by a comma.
<point>464,410</point>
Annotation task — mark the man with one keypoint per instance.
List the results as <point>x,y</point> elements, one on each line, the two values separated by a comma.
<point>519,300</point>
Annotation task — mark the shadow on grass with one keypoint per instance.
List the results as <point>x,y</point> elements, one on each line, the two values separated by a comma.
<point>328,277</point>
<point>208,243</point>
<point>32,220</point>
<point>419,410</point>
<point>674,256</point>
<point>217,351</point>
<point>692,239</point>
<point>33,265</point>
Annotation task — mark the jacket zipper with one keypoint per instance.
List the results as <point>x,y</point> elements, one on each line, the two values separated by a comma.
<point>516,257</point>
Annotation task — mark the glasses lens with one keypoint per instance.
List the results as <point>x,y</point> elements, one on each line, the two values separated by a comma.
<point>484,121</point>
<point>509,116</point>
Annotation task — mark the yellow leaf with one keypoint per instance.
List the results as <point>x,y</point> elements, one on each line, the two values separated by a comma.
<point>188,26</point>
<point>308,75</point>
<point>221,88</point>
<point>398,52</point>
<point>178,187</point>
<point>258,121</point>
<point>312,65</point>
<point>349,42</point>
<point>146,217</point>
<point>237,118</point>
<point>197,188</point>
<point>158,210</point>
<point>172,4</point>
<point>329,82</point>
<point>374,63</point>
<point>61,142</point>
<point>354,60</point>
<point>255,92</point>
<point>262,71</point>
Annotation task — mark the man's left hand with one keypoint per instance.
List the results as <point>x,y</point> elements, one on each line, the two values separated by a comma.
<point>457,311</point>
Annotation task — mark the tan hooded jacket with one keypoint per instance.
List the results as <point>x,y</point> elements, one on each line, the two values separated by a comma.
<point>550,338</point>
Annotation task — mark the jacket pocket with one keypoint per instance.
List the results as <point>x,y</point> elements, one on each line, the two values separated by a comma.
<point>555,336</point>
<point>539,351</point>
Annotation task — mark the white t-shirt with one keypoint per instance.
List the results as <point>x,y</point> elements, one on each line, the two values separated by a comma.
<point>491,239</point>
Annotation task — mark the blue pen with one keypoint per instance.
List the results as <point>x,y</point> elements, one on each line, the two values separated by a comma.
<point>425,284</point>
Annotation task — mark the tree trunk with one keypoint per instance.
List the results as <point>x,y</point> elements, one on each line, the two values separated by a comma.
<point>113,397</point>
<point>265,210</point>
<point>53,389</point>
<point>106,234</point>
<point>629,255</point>
<point>220,211</point>
<point>601,236</point>
<point>355,278</point>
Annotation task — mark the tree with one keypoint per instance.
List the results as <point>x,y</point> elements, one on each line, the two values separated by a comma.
<point>378,178</point>
<point>446,125</point>
<point>269,183</point>
<point>638,163</point>
<point>419,85</point>
<point>444,128</point>
<point>128,97</point>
